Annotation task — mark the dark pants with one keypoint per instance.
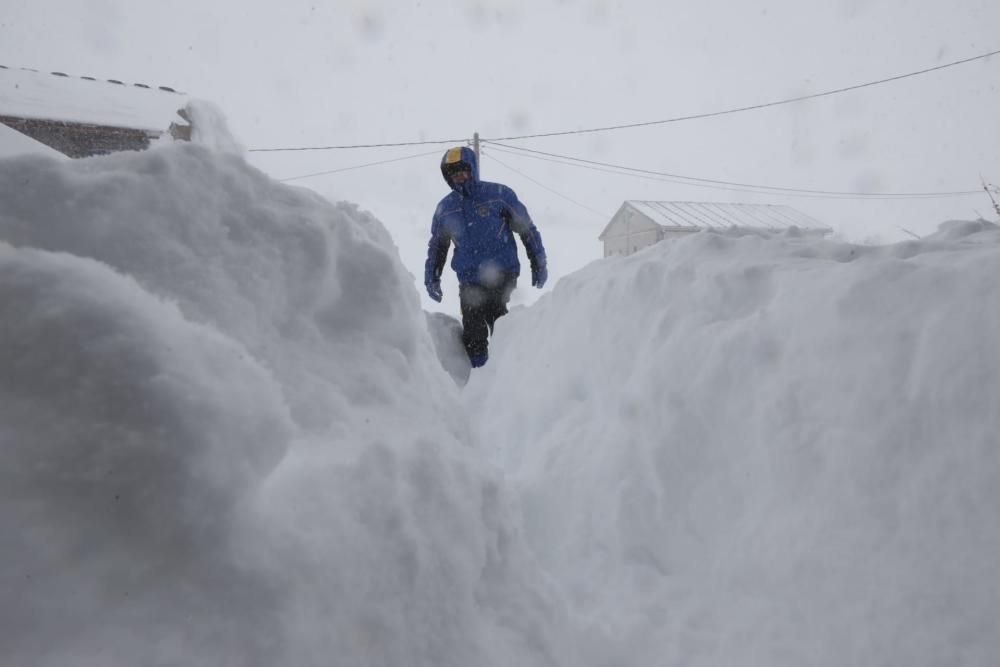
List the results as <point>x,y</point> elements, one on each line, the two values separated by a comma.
<point>481,306</point>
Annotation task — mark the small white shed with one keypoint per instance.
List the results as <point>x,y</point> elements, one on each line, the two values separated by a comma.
<point>639,224</point>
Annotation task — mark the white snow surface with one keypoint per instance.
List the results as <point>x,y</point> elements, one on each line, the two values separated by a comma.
<point>227,437</point>
<point>764,450</point>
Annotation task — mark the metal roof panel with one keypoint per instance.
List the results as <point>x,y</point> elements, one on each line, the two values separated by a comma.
<point>686,215</point>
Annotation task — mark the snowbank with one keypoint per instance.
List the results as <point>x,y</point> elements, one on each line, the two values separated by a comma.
<point>226,437</point>
<point>751,450</point>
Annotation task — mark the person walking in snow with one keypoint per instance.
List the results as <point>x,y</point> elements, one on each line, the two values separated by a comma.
<point>480,218</point>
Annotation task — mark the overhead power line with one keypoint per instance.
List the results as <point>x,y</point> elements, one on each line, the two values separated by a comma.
<point>609,128</point>
<point>357,166</point>
<point>719,184</point>
<point>659,178</point>
<point>545,187</point>
<point>711,114</point>
<point>332,148</point>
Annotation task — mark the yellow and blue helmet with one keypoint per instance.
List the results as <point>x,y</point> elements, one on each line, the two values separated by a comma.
<point>460,158</point>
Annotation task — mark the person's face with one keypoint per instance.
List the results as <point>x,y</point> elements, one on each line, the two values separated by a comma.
<point>460,177</point>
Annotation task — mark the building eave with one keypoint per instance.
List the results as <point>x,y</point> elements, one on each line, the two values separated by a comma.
<point>614,217</point>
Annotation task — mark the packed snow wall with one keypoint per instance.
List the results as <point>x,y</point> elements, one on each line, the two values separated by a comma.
<point>745,449</point>
<point>225,437</point>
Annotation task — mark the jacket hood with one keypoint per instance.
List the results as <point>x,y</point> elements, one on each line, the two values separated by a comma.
<point>460,154</point>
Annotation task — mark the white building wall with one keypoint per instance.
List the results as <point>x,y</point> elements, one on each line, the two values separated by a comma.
<point>628,244</point>
<point>614,246</point>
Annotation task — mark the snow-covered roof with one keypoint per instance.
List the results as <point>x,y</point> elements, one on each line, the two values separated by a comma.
<point>26,93</point>
<point>682,216</point>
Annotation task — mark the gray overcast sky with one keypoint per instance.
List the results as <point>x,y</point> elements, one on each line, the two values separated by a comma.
<point>308,72</point>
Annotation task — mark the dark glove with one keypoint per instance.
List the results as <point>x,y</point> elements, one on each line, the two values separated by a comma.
<point>539,274</point>
<point>434,290</point>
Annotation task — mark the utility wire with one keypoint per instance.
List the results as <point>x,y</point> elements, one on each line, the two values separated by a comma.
<point>358,166</point>
<point>645,124</point>
<point>712,114</point>
<point>331,148</point>
<point>657,178</point>
<point>602,216</point>
<point>744,187</point>
<point>654,176</point>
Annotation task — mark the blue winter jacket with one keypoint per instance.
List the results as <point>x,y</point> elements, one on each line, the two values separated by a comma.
<point>480,218</point>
